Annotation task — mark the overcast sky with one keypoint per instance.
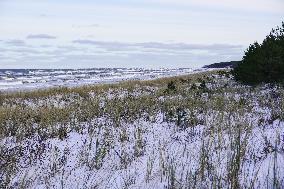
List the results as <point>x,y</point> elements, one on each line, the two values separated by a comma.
<point>131,33</point>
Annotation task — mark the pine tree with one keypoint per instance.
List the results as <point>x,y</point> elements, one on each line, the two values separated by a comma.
<point>263,63</point>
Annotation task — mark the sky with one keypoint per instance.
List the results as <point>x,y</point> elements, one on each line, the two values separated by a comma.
<point>131,33</point>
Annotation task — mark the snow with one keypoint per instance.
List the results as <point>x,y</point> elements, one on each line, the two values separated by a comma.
<point>163,142</point>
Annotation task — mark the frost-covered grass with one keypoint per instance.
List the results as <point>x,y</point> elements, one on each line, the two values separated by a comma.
<point>196,131</point>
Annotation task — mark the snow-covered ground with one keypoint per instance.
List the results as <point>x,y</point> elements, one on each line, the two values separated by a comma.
<point>221,135</point>
<point>166,153</point>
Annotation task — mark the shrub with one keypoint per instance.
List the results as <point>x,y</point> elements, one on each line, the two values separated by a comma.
<point>171,87</point>
<point>263,63</point>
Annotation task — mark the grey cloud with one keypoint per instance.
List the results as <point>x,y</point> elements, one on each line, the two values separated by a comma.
<point>20,50</point>
<point>184,46</point>
<point>40,36</point>
<point>87,26</point>
<point>46,46</point>
<point>100,43</point>
<point>43,15</point>
<point>156,45</point>
<point>118,54</point>
<point>109,46</point>
<point>16,42</point>
<point>142,60</point>
<point>69,48</point>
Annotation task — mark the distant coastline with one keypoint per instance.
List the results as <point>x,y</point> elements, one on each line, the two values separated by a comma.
<point>230,64</point>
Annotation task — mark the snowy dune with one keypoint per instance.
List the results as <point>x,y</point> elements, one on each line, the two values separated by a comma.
<point>197,131</point>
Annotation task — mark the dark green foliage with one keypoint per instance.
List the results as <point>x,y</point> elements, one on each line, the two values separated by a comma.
<point>263,63</point>
<point>171,86</point>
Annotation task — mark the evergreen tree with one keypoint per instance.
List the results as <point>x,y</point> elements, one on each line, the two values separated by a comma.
<point>263,63</point>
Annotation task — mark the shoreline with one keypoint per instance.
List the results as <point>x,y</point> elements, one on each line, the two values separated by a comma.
<point>32,87</point>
